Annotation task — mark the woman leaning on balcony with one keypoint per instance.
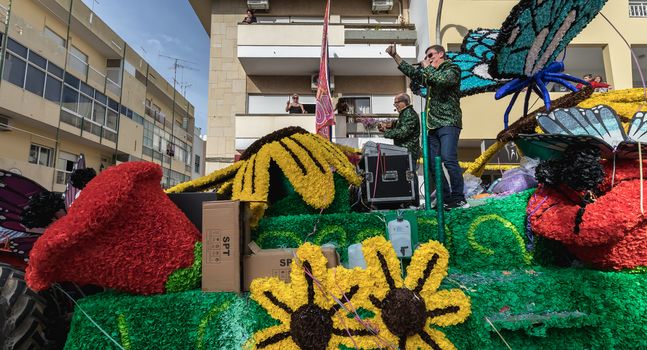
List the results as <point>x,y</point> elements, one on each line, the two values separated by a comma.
<point>295,107</point>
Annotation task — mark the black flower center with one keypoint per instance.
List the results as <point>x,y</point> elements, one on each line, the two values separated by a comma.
<point>311,327</point>
<point>404,312</point>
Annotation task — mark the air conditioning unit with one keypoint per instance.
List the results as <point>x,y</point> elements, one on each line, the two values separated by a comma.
<point>258,4</point>
<point>4,123</point>
<point>382,5</point>
<point>314,79</point>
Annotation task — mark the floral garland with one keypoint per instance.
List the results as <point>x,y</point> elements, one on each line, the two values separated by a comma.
<point>495,167</point>
<point>313,309</point>
<point>307,160</point>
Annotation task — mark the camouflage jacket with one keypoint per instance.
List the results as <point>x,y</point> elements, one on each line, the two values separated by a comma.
<point>443,92</point>
<point>405,132</point>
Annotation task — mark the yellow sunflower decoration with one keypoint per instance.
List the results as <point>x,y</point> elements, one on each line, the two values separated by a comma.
<point>412,308</point>
<point>309,315</point>
<point>308,161</point>
<point>314,308</point>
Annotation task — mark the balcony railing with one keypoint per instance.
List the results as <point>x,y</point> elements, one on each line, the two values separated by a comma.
<point>351,130</point>
<point>637,8</point>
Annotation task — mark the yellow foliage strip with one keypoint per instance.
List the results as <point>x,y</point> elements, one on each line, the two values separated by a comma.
<point>207,182</point>
<point>625,102</point>
<point>478,166</point>
<point>503,167</point>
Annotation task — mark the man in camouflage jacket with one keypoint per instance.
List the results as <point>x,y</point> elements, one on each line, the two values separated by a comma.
<point>444,116</point>
<point>405,132</point>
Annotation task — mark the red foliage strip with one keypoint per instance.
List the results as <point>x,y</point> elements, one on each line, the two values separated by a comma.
<point>613,234</point>
<point>121,232</point>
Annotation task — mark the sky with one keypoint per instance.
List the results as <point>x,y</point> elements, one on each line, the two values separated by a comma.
<point>164,27</point>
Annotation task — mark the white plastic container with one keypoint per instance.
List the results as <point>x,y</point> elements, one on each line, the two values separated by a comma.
<point>355,256</point>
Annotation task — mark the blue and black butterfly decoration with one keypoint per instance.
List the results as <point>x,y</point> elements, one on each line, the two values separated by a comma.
<point>599,126</point>
<point>522,54</point>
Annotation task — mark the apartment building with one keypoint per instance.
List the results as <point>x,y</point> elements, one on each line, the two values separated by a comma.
<point>71,85</point>
<point>255,67</point>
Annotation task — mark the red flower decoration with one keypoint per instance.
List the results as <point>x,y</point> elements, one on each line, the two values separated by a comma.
<point>121,232</point>
<point>612,234</point>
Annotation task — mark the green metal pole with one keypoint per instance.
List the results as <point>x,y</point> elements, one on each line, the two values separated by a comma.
<point>439,200</point>
<point>425,159</point>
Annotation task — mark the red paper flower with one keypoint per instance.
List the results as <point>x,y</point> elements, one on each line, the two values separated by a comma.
<point>612,234</point>
<point>121,232</point>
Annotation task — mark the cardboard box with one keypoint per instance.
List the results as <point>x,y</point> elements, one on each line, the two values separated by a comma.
<point>275,263</point>
<point>224,226</point>
<point>191,204</point>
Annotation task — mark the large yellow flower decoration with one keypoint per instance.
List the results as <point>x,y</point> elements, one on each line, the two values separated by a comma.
<point>410,309</point>
<point>405,312</point>
<point>309,316</point>
<point>307,160</point>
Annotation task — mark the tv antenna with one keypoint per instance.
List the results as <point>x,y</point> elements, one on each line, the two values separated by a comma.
<point>92,9</point>
<point>182,64</point>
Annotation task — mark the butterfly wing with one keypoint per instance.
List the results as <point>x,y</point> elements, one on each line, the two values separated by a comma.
<point>474,60</point>
<point>536,31</point>
<point>638,128</point>
<point>600,121</point>
<point>552,146</point>
<point>15,191</point>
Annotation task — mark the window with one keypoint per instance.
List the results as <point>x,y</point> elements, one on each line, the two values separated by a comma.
<point>111,119</point>
<point>148,134</point>
<point>641,55</point>
<point>65,166</point>
<point>78,60</point>
<point>273,104</point>
<point>70,99</point>
<point>197,164</point>
<point>580,60</point>
<point>53,89</point>
<point>17,48</point>
<point>38,60</point>
<point>35,80</point>
<point>14,70</point>
<point>99,115</point>
<point>85,106</point>
<point>40,155</point>
<point>55,70</point>
<point>50,34</point>
<point>129,68</point>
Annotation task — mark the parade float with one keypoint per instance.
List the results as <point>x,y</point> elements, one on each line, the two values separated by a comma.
<point>559,266</point>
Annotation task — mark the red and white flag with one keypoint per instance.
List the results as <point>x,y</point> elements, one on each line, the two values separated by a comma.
<point>324,112</point>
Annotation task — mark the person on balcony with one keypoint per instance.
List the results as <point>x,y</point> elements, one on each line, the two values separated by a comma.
<point>250,18</point>
<point>405,132</point>
<point>295,107</point>
<point>444,116</point>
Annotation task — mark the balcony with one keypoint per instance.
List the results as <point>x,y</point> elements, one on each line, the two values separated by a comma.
<point>638,9</point>
<point>295,48</point>
<point>351,130</point>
